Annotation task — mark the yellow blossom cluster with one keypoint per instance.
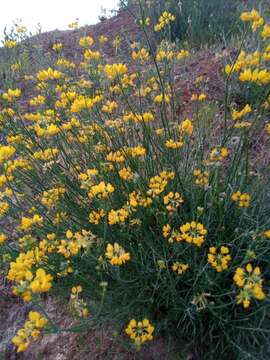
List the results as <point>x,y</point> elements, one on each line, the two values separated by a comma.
<point>140,331</point>
<point>164,20</point>
<point>179,268</point>
<point>219,258</point>
<point>116,254</point>
<point>249,280</point>
<point>242,199</point>
<point>31,330</point>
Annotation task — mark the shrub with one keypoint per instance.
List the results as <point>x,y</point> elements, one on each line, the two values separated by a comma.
<point>161,219</point>
<point>197,21</point>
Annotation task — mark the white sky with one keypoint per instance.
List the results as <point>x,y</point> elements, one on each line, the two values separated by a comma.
<point>52,14</point>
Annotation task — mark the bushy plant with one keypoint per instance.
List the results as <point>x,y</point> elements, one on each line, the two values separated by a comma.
<point>197,21</point>
<point>161,219</point>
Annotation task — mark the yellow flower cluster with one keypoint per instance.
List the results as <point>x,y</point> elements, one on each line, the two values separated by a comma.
<point>11,94</point>
<point>49,74</point>
<point>137,199</point>
<point>219,258</point>
<point>38,100</point>
<point>254,17</point>
<point>179,268</point>
<point>6,152</point>
<point>116,254</point>
<point>171,144</point>
<point>115,71</point>
<point>92,55</point>
<point>141,55</point>
<point>249,281</point>
<point>21,272</point>
<point>140,331</point>
<point>31,330</point>
<point>27,223</point>
<point>41,282</point>
<point>118,216</point>
<point>159,182</point>
<point>57,46</point>
<point>202,177</point>
<point>218,154</point>
<point>50,197</point>
<point>191,232</point>
<point>96,216</point>
<point>164,20</point>
<point>126,173</point>
<point>76,304</point>
<point>260,77</point>
<point>86,41</point>
<point>242,199</point>
<point>10,44</point>
<point>236,115</point>
<point>172,201</point>
<point>198,97</point>
<point>101,190</point>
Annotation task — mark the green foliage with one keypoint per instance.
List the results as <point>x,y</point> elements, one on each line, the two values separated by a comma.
<point>112,142</point>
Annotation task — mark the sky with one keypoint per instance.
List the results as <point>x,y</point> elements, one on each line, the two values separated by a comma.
<point>51,14</point>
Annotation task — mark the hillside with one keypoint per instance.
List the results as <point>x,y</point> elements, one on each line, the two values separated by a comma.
<point>134,208</point>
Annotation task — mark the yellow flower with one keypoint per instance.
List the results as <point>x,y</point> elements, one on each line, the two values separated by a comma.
<point>250,281</point>
<point>186,127</point>
<point>164,55</point>
<point>171,144</point>
<point>6,152</point>
<point>3,238</point>
<point>52,196</point>
<point>10,44</point>
<point>141,55</point>
<point>179,268</point>
<point>86,41</point>
<point>164,20</point>
<point>218,153</point>
<point>101,190</point>
<point>11,94</point>
<point>126,173</point>
<point>109,107</point>
<point>92,55</point>
<point>193,232</point>
<point>115,71</point>
<point>103,39</point>
<point>116,254</point>
<point>219,258</point>
<point>172,201</point>
<point>253,15</point>
<point>41,282</point>
<point>48,74</point>
<point>243,199</point>
<point>30,330</point>
<point>140,331</point>
<point>182,54</point>
<point>265,34</point>
<point>57,46</point>
<point>260,77</point>
<point>27,223</point>
<point>202,177</point>
<point>159,182</point>
<point>96,216</point>
<point>236,115</point>
<point>118,216</point>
